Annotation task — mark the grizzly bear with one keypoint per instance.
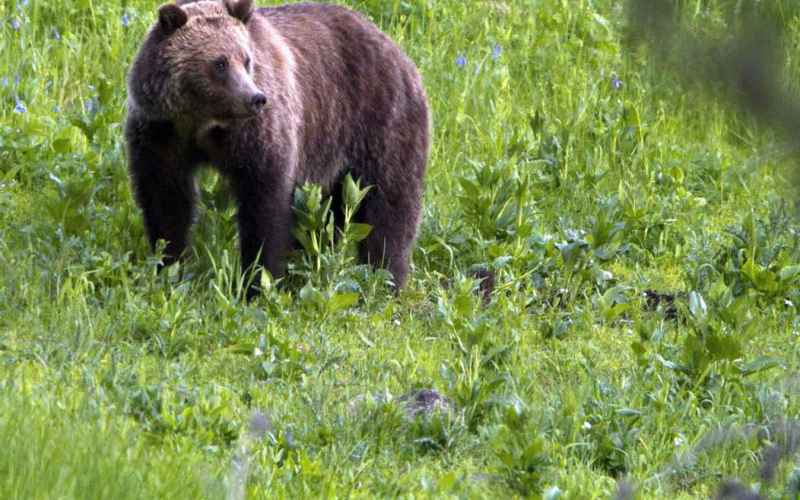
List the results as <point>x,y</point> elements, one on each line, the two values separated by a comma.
<point>272,98</point>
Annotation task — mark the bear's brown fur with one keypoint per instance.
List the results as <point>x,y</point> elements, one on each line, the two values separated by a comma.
<point>273,97</point>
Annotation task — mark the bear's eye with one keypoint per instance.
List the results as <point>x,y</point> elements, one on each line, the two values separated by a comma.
<point>247,63</point>
<point>221,65</point>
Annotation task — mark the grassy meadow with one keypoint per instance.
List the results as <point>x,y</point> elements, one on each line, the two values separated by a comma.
<point>640,339</point>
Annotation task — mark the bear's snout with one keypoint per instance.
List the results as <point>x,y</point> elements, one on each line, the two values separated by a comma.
<point>257,101</point>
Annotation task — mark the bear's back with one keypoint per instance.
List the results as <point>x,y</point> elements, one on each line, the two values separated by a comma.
<point>354,80</point>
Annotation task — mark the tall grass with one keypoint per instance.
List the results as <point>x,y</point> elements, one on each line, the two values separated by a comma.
<point>642,324</point>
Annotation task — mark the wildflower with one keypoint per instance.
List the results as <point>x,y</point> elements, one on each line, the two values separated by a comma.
<point>497,50</point>
<point>56,110</point>
<point>552,492</point>
<point>55,34</point>
<point>16,80</point>
<point>20,108</point>
<point>461,61</point>
<point>4,81</point>
<point>22,4</point>
<point>90,105</point>
<point>126,20</point>
<point>15,24</point>
<point>616,83</point>
<point>260,424</point>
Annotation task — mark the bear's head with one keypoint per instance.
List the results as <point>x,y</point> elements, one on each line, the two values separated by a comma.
<point>197,64</point>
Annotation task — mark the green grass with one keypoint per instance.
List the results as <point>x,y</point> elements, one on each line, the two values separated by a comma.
<point>580,195</point>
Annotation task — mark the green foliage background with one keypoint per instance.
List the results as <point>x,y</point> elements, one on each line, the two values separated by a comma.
<point>643,238</point>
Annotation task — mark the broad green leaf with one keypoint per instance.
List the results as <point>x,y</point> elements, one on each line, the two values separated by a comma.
<point>760,364</point>
<point>341,301</point>
<point>723,346</point>
<point>789,273</point>
<point>358,231</point>
<point>697,306</point>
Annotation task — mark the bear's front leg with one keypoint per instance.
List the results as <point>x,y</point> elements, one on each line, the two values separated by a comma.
<point>265,219</point>
<point>163,184</point>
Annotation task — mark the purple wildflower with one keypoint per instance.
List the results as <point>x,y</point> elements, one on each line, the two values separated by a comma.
<point>90,105</point>
<point>15,24</point>
<point>126,20</point>
<point>56,110</point>
<point>497,50</point>
<point>22,4</point>
<point>20,108</point>
<point>616,83</point>
<point>16,80</point>
<point>55,34</point>
<point>461,60</point>
<point>4,81</point>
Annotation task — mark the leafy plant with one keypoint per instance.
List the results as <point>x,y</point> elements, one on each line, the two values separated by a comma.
<point>332,280</point>
<point>495,200</point>
<point>522,453</point>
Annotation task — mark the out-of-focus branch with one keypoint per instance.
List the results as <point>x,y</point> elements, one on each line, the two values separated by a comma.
<point>746,64</point>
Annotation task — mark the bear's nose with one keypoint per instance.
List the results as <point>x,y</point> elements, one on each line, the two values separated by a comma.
<point>258,101</point>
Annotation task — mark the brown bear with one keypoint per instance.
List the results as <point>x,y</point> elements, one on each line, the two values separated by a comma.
<point>274,97</point>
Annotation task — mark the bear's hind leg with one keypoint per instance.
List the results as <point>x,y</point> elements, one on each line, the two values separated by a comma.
<point>393,164</point>
<point>394,218</point>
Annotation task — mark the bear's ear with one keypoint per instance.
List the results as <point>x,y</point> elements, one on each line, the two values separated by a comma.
<point>171,17</point>
<point>240,9</point>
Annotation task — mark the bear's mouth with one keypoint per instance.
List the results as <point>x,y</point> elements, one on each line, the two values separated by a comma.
<point>237,116</point>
